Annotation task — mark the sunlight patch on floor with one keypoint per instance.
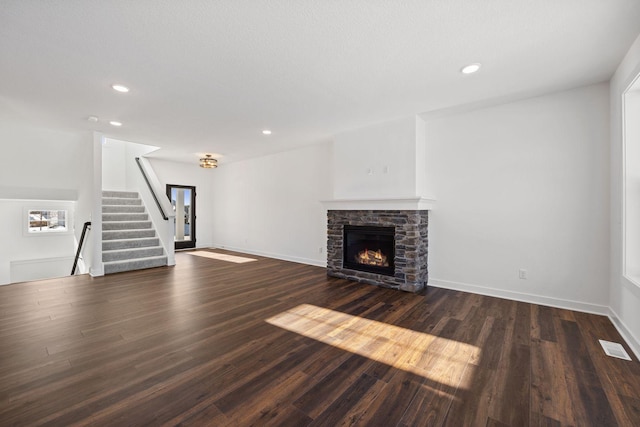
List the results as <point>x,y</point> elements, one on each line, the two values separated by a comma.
<point>438,359</point>
<point>221,257</point>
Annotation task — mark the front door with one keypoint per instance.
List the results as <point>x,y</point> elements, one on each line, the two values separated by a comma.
<point>183,200</point>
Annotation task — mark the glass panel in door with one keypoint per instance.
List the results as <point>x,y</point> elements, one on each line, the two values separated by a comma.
<point>183,200</point>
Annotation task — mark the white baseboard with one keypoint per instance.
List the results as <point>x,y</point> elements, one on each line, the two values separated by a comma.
<point>521,296</point>
<point>624,331</point>
<point>97,271</point>
<point>308,261</point>
<point>204,245</point>
<point>632,341</point>
<point>39,269</point>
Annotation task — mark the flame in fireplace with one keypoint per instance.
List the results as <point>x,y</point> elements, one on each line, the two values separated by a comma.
<point>369,257</point>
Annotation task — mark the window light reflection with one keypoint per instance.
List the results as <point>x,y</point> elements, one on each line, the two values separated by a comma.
<point>438,359</point>
<point>222,257</point>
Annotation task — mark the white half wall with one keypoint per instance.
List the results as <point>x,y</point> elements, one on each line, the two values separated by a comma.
<point>114,165</point>
<point>524,186</point>
<point>41,167</point>
<point>271,205</point>
<point>624,294</point>
<point>119,169</point>
<point>33,256</point>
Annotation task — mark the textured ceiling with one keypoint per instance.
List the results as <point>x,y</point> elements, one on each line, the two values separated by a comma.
<point>208,76</point>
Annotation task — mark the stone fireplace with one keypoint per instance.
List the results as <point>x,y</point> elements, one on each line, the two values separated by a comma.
<point>381,247</point>
<point>382,178</point>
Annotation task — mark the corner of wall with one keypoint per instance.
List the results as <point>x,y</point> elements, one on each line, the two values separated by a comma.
<point>627,334</point>
<point>97,268</point>
<point>623,304</point>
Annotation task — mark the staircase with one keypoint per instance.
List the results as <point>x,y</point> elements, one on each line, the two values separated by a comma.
<point>129,241</point>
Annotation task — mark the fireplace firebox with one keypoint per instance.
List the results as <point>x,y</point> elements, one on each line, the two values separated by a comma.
<point>368,248</point>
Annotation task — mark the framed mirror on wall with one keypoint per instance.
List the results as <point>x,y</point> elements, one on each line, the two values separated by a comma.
<point>183,200</point>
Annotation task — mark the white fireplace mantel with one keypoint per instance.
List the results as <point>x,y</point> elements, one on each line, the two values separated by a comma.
<point>400,204</point>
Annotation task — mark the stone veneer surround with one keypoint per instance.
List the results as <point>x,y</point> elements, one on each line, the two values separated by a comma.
<point>411,240</point>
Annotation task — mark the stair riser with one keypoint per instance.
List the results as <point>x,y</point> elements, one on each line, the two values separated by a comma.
<point>121,202</point>
<point>123,209</point>
<point>132,254</point>
<point>134,225</point>
<point>134,265</point>
<point>125,217</point>
<point>129,241</point>
<point>128,234</point>
<point>129,244</point>
<point>120,194</point>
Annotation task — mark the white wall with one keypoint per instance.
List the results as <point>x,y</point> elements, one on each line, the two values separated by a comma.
<point>34,256</point>
<point>632,184</point>
<point>524,185</point>
<point>378,161</point>
<point>271,205</point>
<point>37,166</point>
<point>114,171</point>
<point>193,175</point>
<point>119,170</point>
<point>423,161</point>
<point>624,295</point>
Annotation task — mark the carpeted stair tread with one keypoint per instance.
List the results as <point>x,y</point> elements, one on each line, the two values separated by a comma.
<point>120,194</point>
<point>132,253</point>
<point>125,216</point>
<point>120,201</point>
<point>129,240</point>
<point>125,225</point>
<point>135,264</point>
<point>122,209</point>
<point>128,234</point>
<point>115,244</point>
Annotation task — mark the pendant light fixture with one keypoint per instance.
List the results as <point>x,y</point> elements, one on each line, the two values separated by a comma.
<point>208,162</point>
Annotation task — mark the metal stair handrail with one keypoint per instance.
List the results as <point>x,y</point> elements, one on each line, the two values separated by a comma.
<point>87,225</point>
<point>153,193</point>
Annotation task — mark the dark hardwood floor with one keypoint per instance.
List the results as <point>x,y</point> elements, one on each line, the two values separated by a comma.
<point>212,342</point>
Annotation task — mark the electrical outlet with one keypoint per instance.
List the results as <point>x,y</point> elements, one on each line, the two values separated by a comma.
<point>320,250</point>
<point>522,274</point>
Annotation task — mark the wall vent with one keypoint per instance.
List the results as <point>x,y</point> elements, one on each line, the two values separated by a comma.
<point>614,349</point>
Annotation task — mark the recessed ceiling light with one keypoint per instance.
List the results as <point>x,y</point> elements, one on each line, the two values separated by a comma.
<point>470,69</point>
<point>115,123</point>
<point>120,88</point>
<point>92,119</point>
<point>266,132</point>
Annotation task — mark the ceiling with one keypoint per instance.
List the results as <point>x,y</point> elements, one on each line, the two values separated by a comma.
<point>209,76</point>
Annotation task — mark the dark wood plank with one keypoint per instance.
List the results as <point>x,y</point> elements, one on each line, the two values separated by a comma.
<point>495,423</point>
<point>542,323</point>
<point>345,402</point>
<point>590,403</point>
<point>549,391</point>
<point>391,403</point>
<point>631,409</point>
<point>317,398</point>
<point>513,381</point>
<point>191,345</point>
<point>539,420</point>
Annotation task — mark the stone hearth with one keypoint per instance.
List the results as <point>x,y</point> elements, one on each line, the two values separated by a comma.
<point>411,246</point>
